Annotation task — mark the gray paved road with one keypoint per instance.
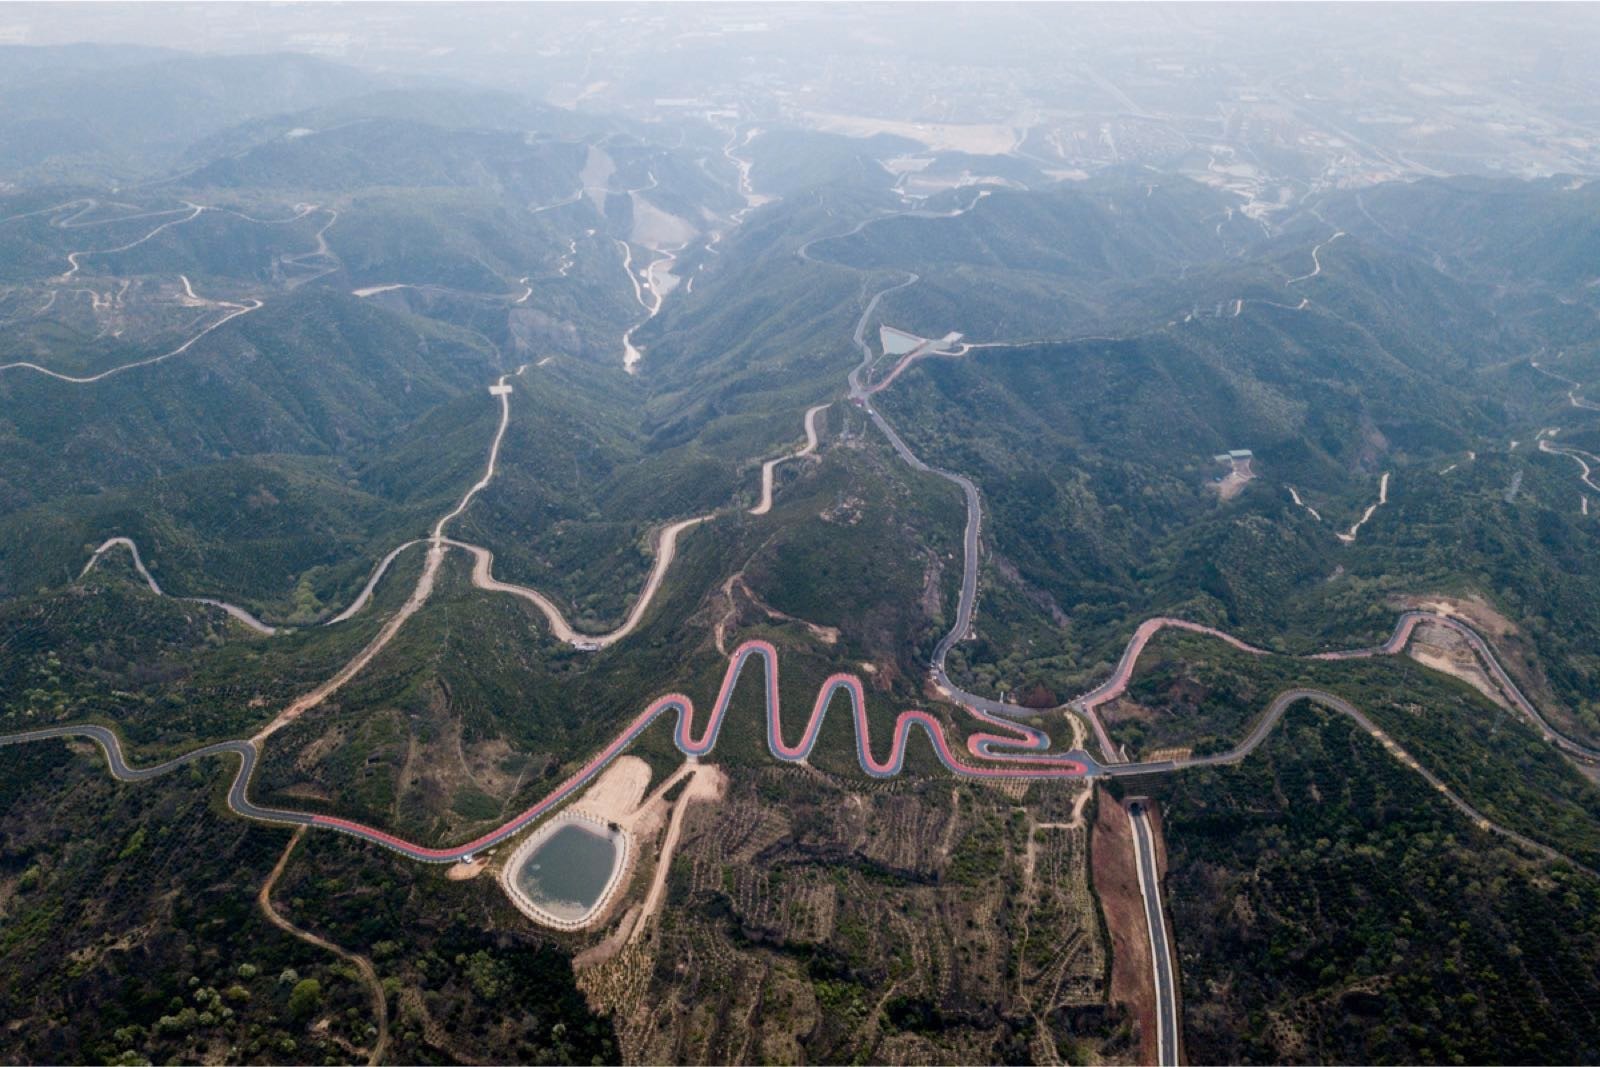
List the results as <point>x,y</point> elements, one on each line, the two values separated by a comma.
<point>247,753</point>
<point>238,798</point>
<point>1275,712</point>
<point>967,601</point>
<point>1160,950</point>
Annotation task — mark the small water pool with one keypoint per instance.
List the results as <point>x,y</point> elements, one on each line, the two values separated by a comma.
<point>897,342</point>
<point>566,869</point>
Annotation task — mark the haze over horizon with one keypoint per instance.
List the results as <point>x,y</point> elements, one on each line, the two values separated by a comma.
<point>893,533</point>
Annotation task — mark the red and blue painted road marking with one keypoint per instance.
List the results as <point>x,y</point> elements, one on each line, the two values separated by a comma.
<point>1015,753</point>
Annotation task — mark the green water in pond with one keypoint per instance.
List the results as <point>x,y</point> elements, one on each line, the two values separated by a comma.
<point>567,873</point>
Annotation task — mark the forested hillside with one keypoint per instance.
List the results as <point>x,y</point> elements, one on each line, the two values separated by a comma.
<point>415,441</point>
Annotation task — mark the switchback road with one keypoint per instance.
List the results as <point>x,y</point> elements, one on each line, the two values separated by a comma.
<point>1015,751</point>
<point>1000,748</point>
<point>1003,748</point>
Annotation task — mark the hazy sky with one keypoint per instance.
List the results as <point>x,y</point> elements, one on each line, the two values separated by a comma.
<point>1427,88</point>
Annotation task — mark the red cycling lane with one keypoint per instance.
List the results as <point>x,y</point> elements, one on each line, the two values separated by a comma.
<point>1007,747</point>
<point>1025,758</point>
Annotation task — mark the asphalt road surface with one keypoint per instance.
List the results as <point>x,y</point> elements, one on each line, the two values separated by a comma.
<point>1160,949</point>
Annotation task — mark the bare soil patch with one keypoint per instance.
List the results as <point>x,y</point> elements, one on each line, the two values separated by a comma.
<point>1473,609</point>
<point>1234,482</point>
<point>465,872</point>
<point>1516,653</point>
<point>1124,710</point>
<point>616,794</point>
<point>1116,881</point>
<point>1446,651</point>
<point>977,138</point>
<point>707,783</point>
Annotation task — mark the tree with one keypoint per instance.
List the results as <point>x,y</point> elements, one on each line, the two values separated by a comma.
<point>306,998</point>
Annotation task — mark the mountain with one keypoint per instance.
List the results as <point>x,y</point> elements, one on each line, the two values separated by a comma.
<point>103,114</point>
<point>899,560</point>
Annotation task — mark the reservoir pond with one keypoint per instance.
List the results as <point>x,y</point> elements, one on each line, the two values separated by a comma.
<point>569,872</point>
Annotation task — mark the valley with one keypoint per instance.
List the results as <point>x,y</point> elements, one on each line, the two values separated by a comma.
<point>1134,755</point>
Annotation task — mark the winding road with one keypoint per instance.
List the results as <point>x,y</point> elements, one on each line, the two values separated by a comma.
<point>631,354</point>
<point>1016,751</point>
<point>1002,749</point>
<point>362,966</point>
<point>1572,385</point>
<point>235,310</point>
<point>1349,536</point>
<point>138,564</point>
<point>966,602</point>
<point>363,597</point>
<point>1027,762</point>
<point>420,593</point>
<point>1578,456</point>
<point>666,549</point>
<point>73,258</point>
<point>1316,259</point>
<point>1164,964</point>
<point>999,748</point>
<point>771,465</point>
<point>1117,684</point>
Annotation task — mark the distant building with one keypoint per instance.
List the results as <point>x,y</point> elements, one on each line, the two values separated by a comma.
<point>1240,453</point>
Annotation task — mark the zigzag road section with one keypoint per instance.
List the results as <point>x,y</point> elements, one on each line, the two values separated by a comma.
<point>1000,748</point>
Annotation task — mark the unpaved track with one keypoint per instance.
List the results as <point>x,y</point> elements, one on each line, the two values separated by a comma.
<point>925,350</point>
<point>74,261</point>
<point>1018,751</point>
<point>138,564</point>
<point>706,783</point>
<point>73,221</point>
<point>237,612</point>
<point>1316,259</point>
<point>1295,496</point>
<point>363,966</point>
<point>752,199</point>
<point>73,264</point>
<point>235,310</point>
<point>1030,762</point>
<point>1117,684</point>
<point>666,549</point>
<point>1168,1025</point>
<point>1578,456</point>
<point>1275,712</point>
<point>321,251</point>
<point>771,465</point>
<point>1573,386</point>
<point>419,594</point>
<point>1383,498</point>
<point>1005,750</point>
<point>508,298</point>
<point>630,354</point>
<point>363,597</point>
